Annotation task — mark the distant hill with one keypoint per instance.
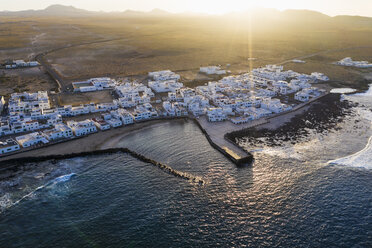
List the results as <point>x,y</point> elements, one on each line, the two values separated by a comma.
<point>159,12</point>
<point>263,17</point>
<point>53,10</point>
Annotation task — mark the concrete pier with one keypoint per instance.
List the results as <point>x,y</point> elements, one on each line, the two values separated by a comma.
<point>215,133</point>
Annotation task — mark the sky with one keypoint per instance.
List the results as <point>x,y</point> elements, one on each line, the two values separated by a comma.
<point>329,7</point>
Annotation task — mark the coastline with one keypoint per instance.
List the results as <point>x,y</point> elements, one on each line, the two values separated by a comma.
<point>109,139</point>
<point>14,163</point>
<point>219,137</point>
<point>321,115</point>
<point>93,142</point>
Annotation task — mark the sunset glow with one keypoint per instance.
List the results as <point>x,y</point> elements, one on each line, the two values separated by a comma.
<point>330,7</point>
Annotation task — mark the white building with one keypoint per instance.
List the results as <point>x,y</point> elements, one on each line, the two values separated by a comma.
<point>60,131</point>
<point>5,128</point>
<point>317,76</point>
<point>101,124</point>
<point>25,125</point>
<point>94,84</point>
<point>2,103</point>
<point>349,62</point>
<point>165,86</point>
<point>164,75</point>
<point>123,115</point>
<point>115,122</point>
<point>210,70</point>
<point>216,114</point>
<point>31,139</point>
<point>141,113</point>
<point>21,63</point>
<point>28,101</point>
<point>257,113</point>
<point>241,119</point>
<point>81,128</point>
<point>9,145</point>
<point>298,61</point>
<point>281,87</point>
<point>274,105</point>
<point>302,96</point>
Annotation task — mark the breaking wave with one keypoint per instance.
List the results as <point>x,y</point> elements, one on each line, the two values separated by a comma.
<point>6,201</point>
<point>361,159</point>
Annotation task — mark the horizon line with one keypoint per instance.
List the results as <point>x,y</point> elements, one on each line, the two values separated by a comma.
<point>183,12</point>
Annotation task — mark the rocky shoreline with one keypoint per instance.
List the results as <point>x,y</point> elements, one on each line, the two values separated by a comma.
<point>321,116</point>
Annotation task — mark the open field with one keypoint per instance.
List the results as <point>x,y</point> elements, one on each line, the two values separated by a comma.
<point>20,80</point>
<point>85,98</point>
<point>340,76</point>
<point>120,46</point>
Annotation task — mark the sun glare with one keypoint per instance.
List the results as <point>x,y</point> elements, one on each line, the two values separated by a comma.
<point>220,7</point>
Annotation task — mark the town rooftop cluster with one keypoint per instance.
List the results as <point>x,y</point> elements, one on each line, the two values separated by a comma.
<point>30,121</point>
<point>349,62</point>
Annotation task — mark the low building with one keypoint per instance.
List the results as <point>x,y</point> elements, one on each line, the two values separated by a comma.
<point>212,70</point>
<point>165,86</point>
<point>164,75</point>
<point>2,103</point>
<point>81,128</point>
<point>123,115</point>
<point>302,96</point>
<point>241,119</point>
<point>5,128</point>
<point>216,114</point>
<point>115,122</point>
<point>32,139</point>
<point>60,131</point>
<point>9,145</point>
<point>101,124</point>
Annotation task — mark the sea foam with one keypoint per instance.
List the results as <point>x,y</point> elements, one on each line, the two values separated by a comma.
<point>6,201</point>
<point>363,158</point>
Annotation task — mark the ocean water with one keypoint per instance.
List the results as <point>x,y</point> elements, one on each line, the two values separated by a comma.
<point>291,197</point>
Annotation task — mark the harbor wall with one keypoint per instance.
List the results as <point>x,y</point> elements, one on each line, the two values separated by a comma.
<point>14,164</point>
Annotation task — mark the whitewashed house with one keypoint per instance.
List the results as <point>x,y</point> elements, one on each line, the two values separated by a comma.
<point>81,128</point>
<point>165,86</point>
<point>31,139</point>
<point>302,96</point>
<point>5,128</point>
<point>28,101</point>
<point>25,125</point>
<point>2,103</point>
<point>60,131</point>
<point>9,145</point>
<point>210,70</point>
<point>216,114</point>
<point>123,115</point>
<point>101,124</point>
<point>113,122</point>
<point>164,75</point>
<point>281,87</point>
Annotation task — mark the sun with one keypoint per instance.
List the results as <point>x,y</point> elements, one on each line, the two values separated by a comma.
<point>222,7</point>
<point>219,7</point>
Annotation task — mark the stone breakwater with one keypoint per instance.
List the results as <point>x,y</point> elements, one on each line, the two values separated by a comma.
<point>108,139</point>
<point>14,164</point>
<point>247,159</point>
